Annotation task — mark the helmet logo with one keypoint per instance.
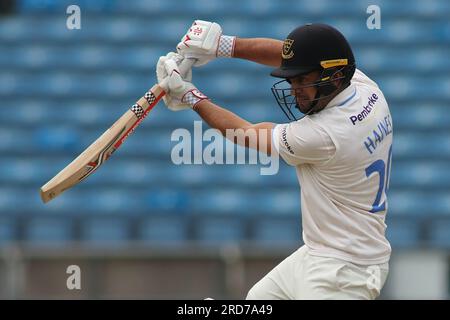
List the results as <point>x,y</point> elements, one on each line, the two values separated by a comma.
<point>287,52</point>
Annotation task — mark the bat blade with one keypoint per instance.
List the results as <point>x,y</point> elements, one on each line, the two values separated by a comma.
<point>102,148</point>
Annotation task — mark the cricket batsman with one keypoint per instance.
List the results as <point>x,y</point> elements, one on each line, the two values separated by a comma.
<point>341,149</point>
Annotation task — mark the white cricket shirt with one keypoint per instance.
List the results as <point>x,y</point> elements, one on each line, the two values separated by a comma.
<point>343,159</point>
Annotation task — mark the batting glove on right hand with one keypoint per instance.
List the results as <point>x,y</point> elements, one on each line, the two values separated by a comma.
<point>163,80</point>
<point>181,94</point>
<point>204,41</point>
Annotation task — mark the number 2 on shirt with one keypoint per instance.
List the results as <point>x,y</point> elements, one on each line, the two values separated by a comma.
<point>379,167</point>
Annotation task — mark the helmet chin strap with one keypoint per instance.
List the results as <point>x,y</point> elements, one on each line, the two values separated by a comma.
<point>320,91</point>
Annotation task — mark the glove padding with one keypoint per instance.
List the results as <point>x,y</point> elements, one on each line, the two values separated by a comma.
<point>164,68</point>
<point>201,42</point>
<point>180,92</point>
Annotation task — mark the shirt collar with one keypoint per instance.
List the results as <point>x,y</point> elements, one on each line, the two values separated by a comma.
<point>343,97</point>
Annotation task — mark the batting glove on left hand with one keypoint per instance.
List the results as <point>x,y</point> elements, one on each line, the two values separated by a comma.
<point>204,41</point>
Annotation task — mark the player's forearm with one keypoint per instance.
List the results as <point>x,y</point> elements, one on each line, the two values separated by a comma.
<point>218,117</point>
<point>261,50</point>
<point>254,136</point>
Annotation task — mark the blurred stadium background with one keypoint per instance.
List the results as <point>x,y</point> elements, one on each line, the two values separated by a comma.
<point>142,227</point>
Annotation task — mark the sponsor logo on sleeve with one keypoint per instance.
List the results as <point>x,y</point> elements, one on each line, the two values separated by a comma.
<point>285,142</point>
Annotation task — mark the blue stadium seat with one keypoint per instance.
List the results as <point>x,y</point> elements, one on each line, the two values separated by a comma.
<point>111,201</point>
<point>106,230</point>
<point>212,229</point>
<point>275,231</point>
<point>412,145</point>
<point>403,233</point>
<point>7,230</point>
<point>400,87</point>
<point>281,202</point>
<point>176,200</point>
<point>415,203</point>
<point>422,174</point>
<point>440,233</point>
<point>222,201</point>
<point>59,138</point>
<point>49,229</point>
<point>13,29</point>
<point>424,60</point>
<point>426,116</point>
<point>18,170</point>
<point>164,229</point>
<point>9,199</point>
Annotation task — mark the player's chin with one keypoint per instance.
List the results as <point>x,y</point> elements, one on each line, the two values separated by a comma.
<point>303,105</point>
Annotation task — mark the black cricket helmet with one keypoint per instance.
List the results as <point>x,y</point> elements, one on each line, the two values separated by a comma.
<point>312,47</point>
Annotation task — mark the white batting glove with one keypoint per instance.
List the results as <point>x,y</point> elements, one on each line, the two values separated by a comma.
<point>204,41</point>
<point>174,75</point>
<point>161,75</point>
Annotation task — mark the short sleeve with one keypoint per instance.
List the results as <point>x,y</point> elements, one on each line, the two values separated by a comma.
<point>302,142</point>
<point>360,78</point>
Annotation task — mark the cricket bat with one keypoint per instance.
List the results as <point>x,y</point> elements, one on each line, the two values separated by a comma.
<point>102,148</point>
